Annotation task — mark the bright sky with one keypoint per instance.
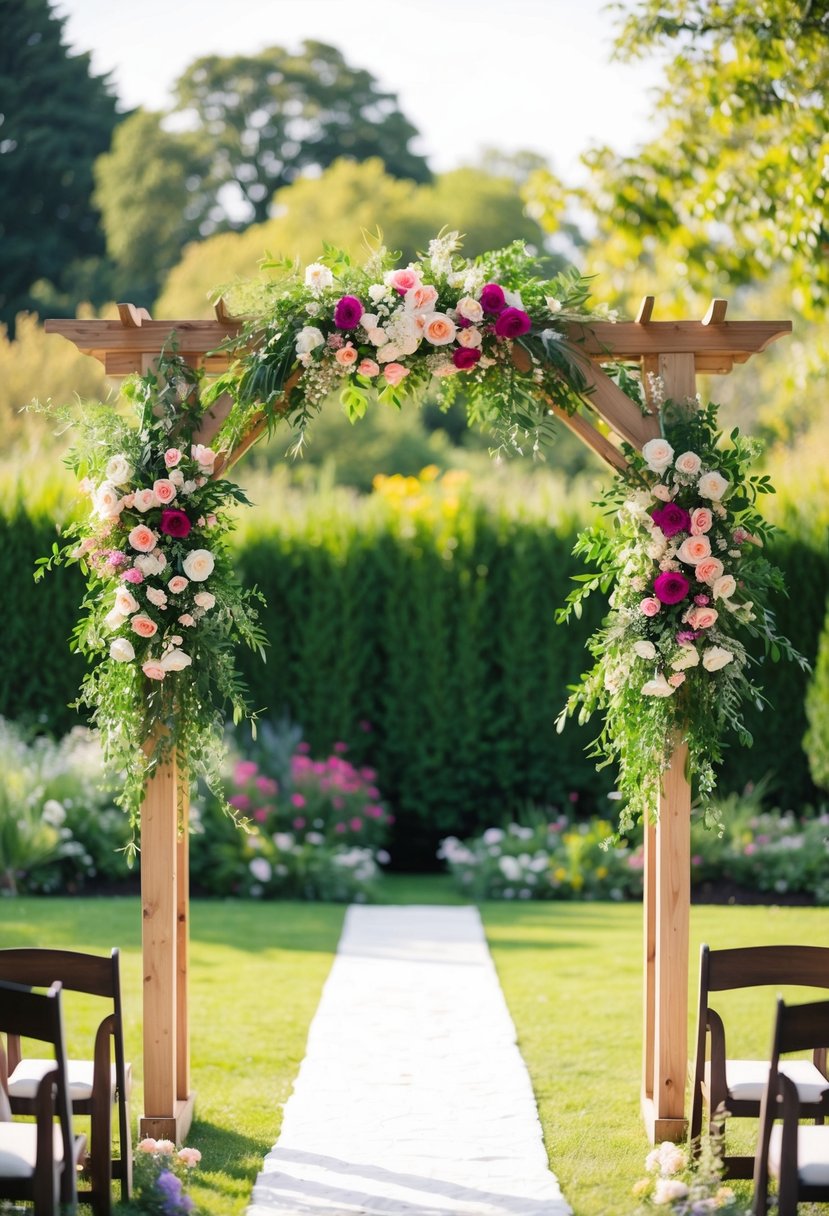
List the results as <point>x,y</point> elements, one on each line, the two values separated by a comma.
<point>511,74</point>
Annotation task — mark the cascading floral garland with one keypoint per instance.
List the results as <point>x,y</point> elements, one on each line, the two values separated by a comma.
<point>686,575</point>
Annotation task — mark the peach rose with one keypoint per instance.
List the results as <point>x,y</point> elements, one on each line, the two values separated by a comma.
<point>470,309</point>
<point>204,600</point>
<point>143,626</point>
<point>346,355</point>
<point>143,538</point>
<point>661,492</point>
<point>676,679</point>
<point>422,298</point>
<point>145,500</point>
<point>724,587</point>
<point>368,368</point>
<point>702,617</point>
<point>177,584</point>
<point>709,570</point>
<point>439,329</point>
<point>148,1145</point>
<point>701,521</point>
<point>153,670</point>
<point>186,620</point>
<point>693,549</point>
<point>394,373</point>
<point>470,337</point>
<point>156,596</point>
<point>189,1156</point>
<point>712,485</point>
<point>164,490</point>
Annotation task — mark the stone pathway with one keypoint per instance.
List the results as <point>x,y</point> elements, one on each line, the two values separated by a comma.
<point>413,1099</point>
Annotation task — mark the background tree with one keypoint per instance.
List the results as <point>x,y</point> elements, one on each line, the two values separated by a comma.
<point>56,117</point>
<point>735,184</point>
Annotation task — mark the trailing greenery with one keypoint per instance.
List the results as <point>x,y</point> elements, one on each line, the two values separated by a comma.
<point>816,741</point>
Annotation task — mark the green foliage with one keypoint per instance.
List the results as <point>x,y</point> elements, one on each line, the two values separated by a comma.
<point>57,117</point>
<point>816,741</point>
<point>749,198</point>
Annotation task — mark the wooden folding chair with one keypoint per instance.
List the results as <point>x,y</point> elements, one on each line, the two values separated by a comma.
<point>38,1161</point>
<point>96,1085</point>
<point>736,1086</point>
<point>795,1154</point>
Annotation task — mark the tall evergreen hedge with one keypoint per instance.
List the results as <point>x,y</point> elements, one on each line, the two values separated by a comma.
<point>423,637</point>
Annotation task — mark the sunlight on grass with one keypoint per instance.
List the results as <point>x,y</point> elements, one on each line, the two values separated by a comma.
<point>571,974</point>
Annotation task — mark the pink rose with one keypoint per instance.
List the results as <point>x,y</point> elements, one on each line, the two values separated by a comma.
<point>143,538</point>
<point>133,575</point>
<point>368,368</point>
<point>701,521</point>
<point>439,329</point>
<point>186,620</point>
<point>172,457</point>
<point>164,490</point>
<point>701,618</point>
<point>403,280</point>
<point>189,1156</point>
<point>709,570</point>
<point>394,373</point>
<point>177,584</point>
<point>421,298</point>
<point>661,492</point>
<point>649,606</point>
<point>143,626</point>
<point>153,670</point>
<point>346,355</point>
<point>205,457</point>
<point>693,549</point>
<point>676,679</point>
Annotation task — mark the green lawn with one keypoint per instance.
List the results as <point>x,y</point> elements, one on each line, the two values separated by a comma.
<point>571,974</point>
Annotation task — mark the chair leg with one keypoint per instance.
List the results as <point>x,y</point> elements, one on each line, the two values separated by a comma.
<point>100,1160</point>
<point>125,1145</point>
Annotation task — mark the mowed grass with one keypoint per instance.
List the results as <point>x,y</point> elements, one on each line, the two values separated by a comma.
<point>571,974</point>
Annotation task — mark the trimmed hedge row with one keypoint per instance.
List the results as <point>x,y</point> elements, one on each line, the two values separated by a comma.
<point>425,639</point>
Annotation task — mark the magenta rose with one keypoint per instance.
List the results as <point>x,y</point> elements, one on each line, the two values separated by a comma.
<point>465,357</point>
<point>348,312</point>
<point>175,523</point>
<point>672,519</point>
<point>512,323</point>
<point>492,299</point>
<point>670,587</point>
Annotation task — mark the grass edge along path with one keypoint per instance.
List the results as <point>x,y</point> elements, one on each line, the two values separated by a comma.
<point>571,975</point>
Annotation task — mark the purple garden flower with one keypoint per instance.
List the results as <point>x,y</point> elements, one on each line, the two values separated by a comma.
<point>672,519</point>
<point>492,299</point>
<point>670,587</point>
<point>512,323</point>
<point>465,357</point>
<point>347,312</point>
<point>175,523</point>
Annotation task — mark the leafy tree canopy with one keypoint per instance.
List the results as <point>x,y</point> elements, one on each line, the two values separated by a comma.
<point>56,117</point>
<point>735,184</point>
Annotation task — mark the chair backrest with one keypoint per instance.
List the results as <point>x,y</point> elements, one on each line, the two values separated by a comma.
<point>753,966</point>
<point>94,974</point>
<point>38,1016</point>
<point>796,1028</point>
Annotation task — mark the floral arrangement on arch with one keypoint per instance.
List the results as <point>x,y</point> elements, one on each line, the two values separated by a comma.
<point>683,1185</point>
<point>161,1176</point>
<point>487,327</point>
<point>688,581</point>
<point>163,606</point>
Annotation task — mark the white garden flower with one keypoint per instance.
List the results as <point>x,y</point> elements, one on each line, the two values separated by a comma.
<point>121,650</point>
<point>712,485</point>
<point>260,868</point>
<point>318,277</point>
<point>175,660</point>
<point>657,687</point>
<point>114,619</point>
<point>198,565</point>
<point>107,501</point>
<point>644,649</point>
<point>688,463</point>
<point>667,1190</point>
<point>687,657</point>
<point>724,587</point>
<point>118,470</point>
<point>716,657</point>
<point>308,339</point>
<point>658,455</point>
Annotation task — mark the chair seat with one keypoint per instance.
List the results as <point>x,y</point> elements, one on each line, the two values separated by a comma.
<point>18,1148</point>
<point>27,1076</point>
<point>812,1153</point>
<point>746,1079</point>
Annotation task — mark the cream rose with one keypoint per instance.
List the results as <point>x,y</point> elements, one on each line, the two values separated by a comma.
<point>107,501</point>
<point>198,565</point>
<point>661,492</point>
<point>716,657</point>
<point>114,619</point>
<point>118,470</point>
<point>470,309</point>
<point>309,339</point>
<point>724,587</point>
<point>125,603</point>
<point>145,500</point>
<point>177,584</point>
<point>657,687</point>
<point>175,660</point>
<point>702,617</point>
<point>693,549</point>
<point>712,485</point>
<point>701,521</point>
<point>157,597</point>
<point>177,478</point>
<point>688,463</point>
<point>709,570</point>
<point>658,455</point>
<point>143,538</point>
<point>687,657</point>
<point>439,329</point>
<point>204,600</point>
<point>186,620</point>
<point>644,649</point>
<point>144,626</point>
<point>470,337</point>
<point>121,650</point>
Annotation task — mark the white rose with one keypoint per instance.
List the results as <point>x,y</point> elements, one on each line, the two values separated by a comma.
<point>513,299</point>
<point>198,565</point>
<point>712,485</point>
<point>145,500</point>
<point>657,687</point>
<point>125,602</point>
<point>369,320</point>
<point>107,500</point>
<point>175,660</point>
<point>553,305</point>
<point>645,649</point>
<point>667,1190</point>
<point>309,339</point>
<point>469,309</point>
<point>176,477</point>
<point>318,277</point>
<point>724,587</point>
<point>469,337</point>
<point>156,596</point>
<point>658,454</point>
<point>376,335</point>
<point>687,657</point>
<point>716,657</point>
<point>121,650</point>
<point>114,619</point>
<point>118,470</point>
<point>688,463</point>
<point>378,292</point>
<point>204,600</point>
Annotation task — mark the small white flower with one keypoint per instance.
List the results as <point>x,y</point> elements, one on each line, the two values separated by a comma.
<point>260,868</point>
<point>318,277</point>
<point>644,649</point>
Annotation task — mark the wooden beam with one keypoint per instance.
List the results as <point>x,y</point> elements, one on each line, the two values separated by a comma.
<point>605,341</point>
<point>716,312</point>
<point>645,310</point>
<point>595,440</point>
<point>615,408</point>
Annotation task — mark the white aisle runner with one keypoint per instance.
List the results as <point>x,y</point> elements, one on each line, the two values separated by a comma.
<point>412,1099</point>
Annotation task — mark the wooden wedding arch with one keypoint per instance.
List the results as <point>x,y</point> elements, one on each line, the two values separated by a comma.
<point>675,351</point>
